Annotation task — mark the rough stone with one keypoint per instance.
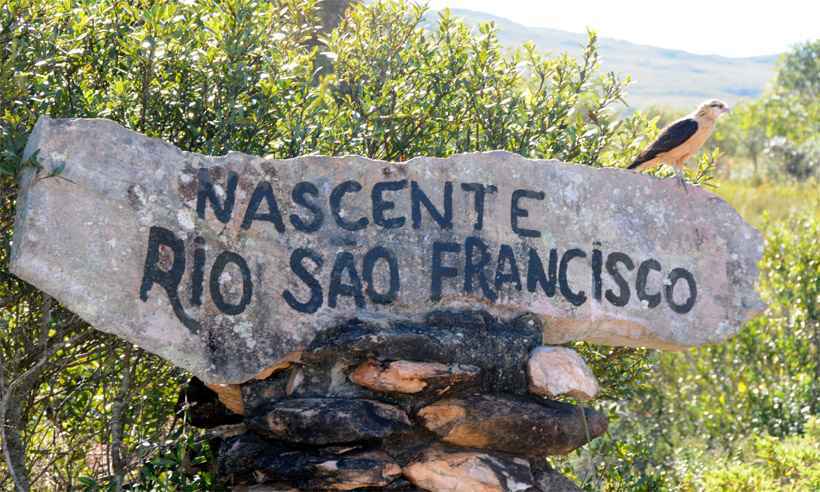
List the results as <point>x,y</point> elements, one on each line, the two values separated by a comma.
<point>445,470</point>
<point>225,264</point>
<point>549,480</point>
<point>280,365</point>
<point>230,395</point>
<point>403,376</point>
<point>257,394</point>
<point>281,487</point>
<point>249,458</point>
<point>354,471</point>
<point>205,410</point>
<point>402,485</point>
<point>555,371</point>
<point>226,431</point>
<point>500,351</point>
<point>524,426</point>
<point>323,421</point>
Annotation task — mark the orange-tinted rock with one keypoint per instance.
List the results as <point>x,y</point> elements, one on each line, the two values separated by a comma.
<point>283,363</point>
<point>230,395</point>
<point>555,371</point>
<point>440,469</point>
<point>514,425</point>
<point>410,377</point>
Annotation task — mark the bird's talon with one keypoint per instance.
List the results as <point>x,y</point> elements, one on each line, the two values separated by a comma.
<point>682,182</point>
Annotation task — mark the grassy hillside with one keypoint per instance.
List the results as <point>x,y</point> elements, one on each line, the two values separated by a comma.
<point>661,76</point>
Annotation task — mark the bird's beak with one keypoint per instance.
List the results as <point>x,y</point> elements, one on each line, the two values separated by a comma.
<point>727,109</point>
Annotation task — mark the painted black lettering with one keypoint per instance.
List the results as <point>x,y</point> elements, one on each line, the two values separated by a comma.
<point>536,276</point>
<point>474,268</point>
<point>575,298</point>
<point>296,265</point>
<point>263,191</point>
<point>370,260</point>
<point>439,271</point>
<point>516,211</point>
<point>216,289</point>
<point>419,198</point>
<point>380,205</point>
<point>207,193</point>
<point>198,273</point>
<point>640,283</point>
<point>674,276</point>
<point>506,261</point>
<point>597,263</point>
<point>167,279</point>
<point>612,260</point>
<point>478,202</point>
<point>299,198</point>
<point>345,263</point>
<point>336,206</point>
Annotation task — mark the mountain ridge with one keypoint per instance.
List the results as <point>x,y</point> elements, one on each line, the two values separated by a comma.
<point>661,76</point>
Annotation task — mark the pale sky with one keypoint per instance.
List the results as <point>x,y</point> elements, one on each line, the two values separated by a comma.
<point>718,27</point>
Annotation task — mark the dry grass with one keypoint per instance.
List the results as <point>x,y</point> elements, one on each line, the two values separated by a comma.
<point>778,201</point>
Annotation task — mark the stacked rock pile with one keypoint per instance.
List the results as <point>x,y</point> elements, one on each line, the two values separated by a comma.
<point>455,403</point>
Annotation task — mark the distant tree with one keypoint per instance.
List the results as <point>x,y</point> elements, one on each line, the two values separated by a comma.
<point>744,133</point>
<point>780,129</point>
<point>799,71</point>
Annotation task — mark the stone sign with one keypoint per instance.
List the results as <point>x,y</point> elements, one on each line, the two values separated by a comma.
<point>225,264</point>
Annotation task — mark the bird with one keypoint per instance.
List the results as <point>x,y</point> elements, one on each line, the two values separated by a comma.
<point>681,139</point>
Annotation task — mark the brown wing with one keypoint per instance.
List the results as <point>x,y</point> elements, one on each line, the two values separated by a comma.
<point>672,136</point>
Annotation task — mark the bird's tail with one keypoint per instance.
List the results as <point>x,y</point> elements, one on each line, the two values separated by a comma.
<point>641,162</point>
<point>637,162</point>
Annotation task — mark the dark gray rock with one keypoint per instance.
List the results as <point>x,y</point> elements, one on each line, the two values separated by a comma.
<point>549,480</point>
<point>324,421</point>
<point>204,408</point>
<point>402,485</point>
<point>250,459</point>
<point>471,338</point>
<point>258,394</point>
<point>517,425</point>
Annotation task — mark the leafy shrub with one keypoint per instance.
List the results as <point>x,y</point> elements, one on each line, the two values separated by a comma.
<point>690,422</point>
<point>790,464</point>
<point>245,75</point>
<point>798,161</point>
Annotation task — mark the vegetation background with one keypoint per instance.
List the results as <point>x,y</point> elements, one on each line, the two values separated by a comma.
<point>82,410</point>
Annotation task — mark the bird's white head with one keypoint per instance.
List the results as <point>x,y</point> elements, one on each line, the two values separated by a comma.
<point>712,109</point>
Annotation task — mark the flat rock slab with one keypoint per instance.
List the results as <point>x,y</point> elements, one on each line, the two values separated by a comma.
<point>323,421</point>
<point>513,425</point>
<point>403,376</point>
<point>225,264</point>
<point>499,350</point>
<point>316,469</point>
<point>440,469</point>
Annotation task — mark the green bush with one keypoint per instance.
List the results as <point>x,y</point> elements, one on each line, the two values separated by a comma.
<point>689,426</point>
<point>791,464</point>
<point>259,77</point>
